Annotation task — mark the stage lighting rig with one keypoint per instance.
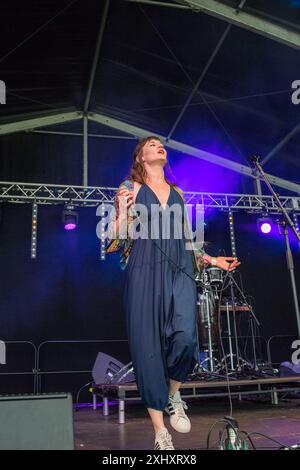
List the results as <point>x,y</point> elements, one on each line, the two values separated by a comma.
<point>70,217</point>
<point>34,218</point>
<point>232,234</point>
<point>264,224</point>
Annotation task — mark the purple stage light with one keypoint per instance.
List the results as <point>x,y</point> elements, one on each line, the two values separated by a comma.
<point>69,217</point>
<point>70,226</point>
<point>265,225</point>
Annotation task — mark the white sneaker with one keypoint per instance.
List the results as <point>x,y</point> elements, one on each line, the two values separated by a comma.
<point>178,418</point>
<point>163,440</point>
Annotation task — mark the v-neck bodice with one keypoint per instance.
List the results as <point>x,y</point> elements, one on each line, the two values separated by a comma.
<point>166,227</point>
<point>164,206</point>
<point>147,196</point>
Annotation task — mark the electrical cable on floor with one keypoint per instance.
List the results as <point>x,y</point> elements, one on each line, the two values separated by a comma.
<point>230,438</point>
<point>249,439</point>
<point>254,433</point>
<point>78,394</point>
<point>229,427</point>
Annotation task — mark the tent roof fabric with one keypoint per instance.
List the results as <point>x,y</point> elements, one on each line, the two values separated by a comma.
<point>150,59</point>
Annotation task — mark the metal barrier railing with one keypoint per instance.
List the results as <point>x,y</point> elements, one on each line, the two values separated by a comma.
<point>33,371</point>
<point>40,373</point>
<point>271,339</point>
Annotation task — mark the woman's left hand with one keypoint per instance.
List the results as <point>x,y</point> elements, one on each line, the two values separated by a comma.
<point>227,263</point>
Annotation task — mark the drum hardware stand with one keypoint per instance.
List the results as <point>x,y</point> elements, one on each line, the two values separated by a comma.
<point>252,319</point>
<point>229,336</point>
<point>207,295</point>
<point>238,365</point>
<point>206,306</point>
<point>210,348</point>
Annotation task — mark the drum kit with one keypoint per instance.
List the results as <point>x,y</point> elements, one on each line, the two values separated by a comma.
<point>208,287</point>
<point>218,311</point>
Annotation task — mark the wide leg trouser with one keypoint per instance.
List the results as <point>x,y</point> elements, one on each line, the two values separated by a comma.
<point>161,326</point>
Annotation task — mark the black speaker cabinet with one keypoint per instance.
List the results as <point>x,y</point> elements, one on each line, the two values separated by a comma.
<point>108,369</point>
<point>36,422</point>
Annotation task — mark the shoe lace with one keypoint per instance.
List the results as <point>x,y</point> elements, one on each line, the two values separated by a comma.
<point>167,441</point>
<point>180,406</point>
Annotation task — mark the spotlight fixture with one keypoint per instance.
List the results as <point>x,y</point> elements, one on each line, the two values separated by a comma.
<point>265,224</point>
<point>70,217</point>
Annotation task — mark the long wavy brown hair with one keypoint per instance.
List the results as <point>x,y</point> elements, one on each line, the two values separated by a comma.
<point>138,172</point>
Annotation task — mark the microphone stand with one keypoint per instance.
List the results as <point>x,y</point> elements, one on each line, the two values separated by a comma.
<point>286,223</point>
<point>252,319</point>
<point>238,365</point>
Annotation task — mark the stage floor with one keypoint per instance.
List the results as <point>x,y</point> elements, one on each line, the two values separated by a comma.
<point>93,431</point>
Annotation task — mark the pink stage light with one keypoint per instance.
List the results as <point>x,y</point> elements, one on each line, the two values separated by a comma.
<point>70,217</point>
<point>70,226</point>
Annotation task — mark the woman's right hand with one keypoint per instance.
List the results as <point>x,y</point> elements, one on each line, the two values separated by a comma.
<point>124,201</point>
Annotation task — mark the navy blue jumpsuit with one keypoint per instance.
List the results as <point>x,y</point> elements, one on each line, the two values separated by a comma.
<point>160,305</point>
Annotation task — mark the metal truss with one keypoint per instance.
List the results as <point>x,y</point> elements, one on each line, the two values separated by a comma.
<point>27,124</point>
<point>55,194</point>
<point>138,132</point>
<point>88,196</point>
<point>246,202</point>
<point>251,21</point>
